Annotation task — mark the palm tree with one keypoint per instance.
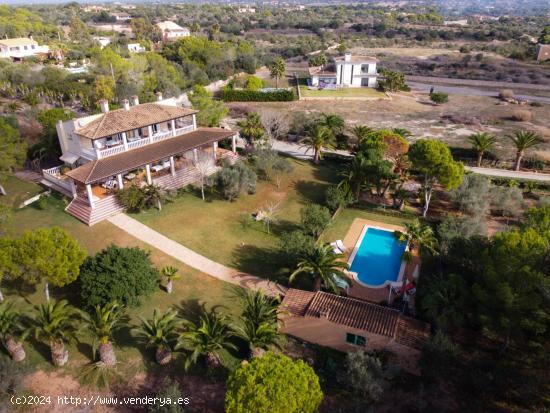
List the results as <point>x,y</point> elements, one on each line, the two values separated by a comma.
<point>523,140</point>
<point>317,138</point>
<point>324,266</point>
<point>417,236</point>
<point>161,333</point>
<point>56,323</point>
<point>257,306</point>
<point>171,274</point>
<point>334,123</point>
<point>252,128</point>
<point>277,70</point>
<point>12,328</point>
<point>258,336</point>
<point>154,195</point>
<point>361,132</point>
<point>356,175</point>
<point>481,143</point>
<point>206,338</point>
<point>103,322</point>
<point>404,133</point>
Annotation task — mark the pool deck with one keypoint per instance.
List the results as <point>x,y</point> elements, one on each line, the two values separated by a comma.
<point>375,295</point>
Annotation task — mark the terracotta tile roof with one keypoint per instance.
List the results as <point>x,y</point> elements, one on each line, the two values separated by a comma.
<point>358,314</point>
<point>296,302</point>
<point>544,52</point>
<point>104,168</point>
<point>121,120</point>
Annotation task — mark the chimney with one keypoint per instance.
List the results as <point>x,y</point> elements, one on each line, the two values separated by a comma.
<point>159,96</point>
<point>134,100</point>
<point>347,57</point>
<point>126,104</point>
<point>104,105</point>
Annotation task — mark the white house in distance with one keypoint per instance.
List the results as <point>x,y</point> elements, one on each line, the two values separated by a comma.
<point>135,48</point>
<point>103,41</point>
<point>121,17</point>
<point>172,31</point>
<point>21,47</point>
<point>346,71</point>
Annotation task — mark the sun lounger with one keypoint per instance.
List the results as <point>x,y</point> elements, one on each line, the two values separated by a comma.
<point>335,248</point>
<point>341,245</point>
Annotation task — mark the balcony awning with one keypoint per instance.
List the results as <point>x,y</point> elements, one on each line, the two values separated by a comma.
<point>69,158</point>
<point>102,169</point>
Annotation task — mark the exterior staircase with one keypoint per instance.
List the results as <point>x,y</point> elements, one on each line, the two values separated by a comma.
<point>182,178</point>
<point>104,208</point>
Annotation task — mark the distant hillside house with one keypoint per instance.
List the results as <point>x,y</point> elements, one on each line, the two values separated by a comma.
<point>349,324</point>
<point>544,52</point>
<point>135,48</point>
<point>172,31</point>
<point>246,9</point>
<point>463,22</point>
<point>346,71</point>
<point>103,41</point>
<point>21,47</point>
<point>121,17</point>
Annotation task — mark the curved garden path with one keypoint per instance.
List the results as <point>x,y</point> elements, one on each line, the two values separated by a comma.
<point>191,258</point>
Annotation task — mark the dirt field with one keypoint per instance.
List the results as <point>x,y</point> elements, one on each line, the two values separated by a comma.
<point>452,122</point>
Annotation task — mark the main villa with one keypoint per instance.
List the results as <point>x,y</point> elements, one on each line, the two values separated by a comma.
<point>346,71</point>
<point>151,143</point>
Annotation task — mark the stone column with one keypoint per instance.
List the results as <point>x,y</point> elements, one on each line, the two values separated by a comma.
<point>148,173</point>
<point>234,144</point>
<point>194,122</point>
<point>173,125</point>
<point>120,182</point>
<point>90,195</point>
<point>150,132</point>
<point>195,155</point>
<point>172,166</point>
<point>124,141</point>
<point>215,149</point>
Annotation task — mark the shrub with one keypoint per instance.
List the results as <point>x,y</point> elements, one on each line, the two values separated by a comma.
<point>508,201</point>
<point>506,94</point>
<point>521,116</point>
<point>315,218</point>
<point>273,384</point>
<point>237,95</point>
<point>170,390</point>
<point>473,195</point>
<point>338,197</point>
<point>232,180</point>
<point>439,97</point>
<point>132,197</point>
<point>117,274</point>
<point>296,245</point>
<point>254,83</point>
<point>365,375</point>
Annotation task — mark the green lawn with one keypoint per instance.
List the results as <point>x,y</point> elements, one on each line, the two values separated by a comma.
<point>191,290</point>
<point>343,219</point>
<point>18,191</point>
<point>215,229</point>
<point>351,92</point>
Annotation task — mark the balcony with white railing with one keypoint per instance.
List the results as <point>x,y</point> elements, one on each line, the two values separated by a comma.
<point>56,176</point>
<point>101,153</point>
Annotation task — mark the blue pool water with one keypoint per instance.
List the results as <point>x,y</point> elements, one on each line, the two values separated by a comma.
<point>378,258</point>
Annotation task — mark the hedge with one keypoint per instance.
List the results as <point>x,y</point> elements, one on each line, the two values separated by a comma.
<point>241,95</point>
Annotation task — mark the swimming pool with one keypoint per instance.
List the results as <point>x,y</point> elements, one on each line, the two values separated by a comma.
<point>376,259</point>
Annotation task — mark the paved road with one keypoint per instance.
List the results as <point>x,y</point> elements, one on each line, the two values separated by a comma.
<point>477,83</point>
<point>191,258</point>
<point>470,91</point>
<point>504,173</point>
<point>299,151</point>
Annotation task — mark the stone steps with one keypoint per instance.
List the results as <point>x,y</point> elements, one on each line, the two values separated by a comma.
<point>103,208</point>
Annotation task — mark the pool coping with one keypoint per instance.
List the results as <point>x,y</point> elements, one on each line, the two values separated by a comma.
<point>355,275</point>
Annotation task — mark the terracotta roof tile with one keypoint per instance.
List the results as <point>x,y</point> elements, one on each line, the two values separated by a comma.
<point>104,168</point>
<point>358,314</point>
<point>121,120</point>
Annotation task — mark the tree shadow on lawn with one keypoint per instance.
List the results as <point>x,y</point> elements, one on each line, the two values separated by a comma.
<point>311,191</point>
<point>264,262</point>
